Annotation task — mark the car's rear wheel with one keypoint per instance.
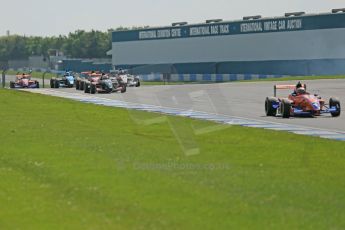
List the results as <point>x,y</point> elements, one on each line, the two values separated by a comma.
<point>37,85</point>
<point>82,85</point>
<point>124,88</point>
<point>77,85</point>
<point>56,84</point>
<point>12,85</point>
<point>334,102</point>
<point>269,106</point>
<point>138,84</point>
<point>286,109</point>
<point>52,83</point>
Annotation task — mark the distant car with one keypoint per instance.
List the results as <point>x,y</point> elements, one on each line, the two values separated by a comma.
<point>67,81</point>
<point>300,103</point>
<point>131,80</point>
<point>24,81</point>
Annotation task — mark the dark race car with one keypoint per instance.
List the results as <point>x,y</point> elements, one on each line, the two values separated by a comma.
<point>104,84</point>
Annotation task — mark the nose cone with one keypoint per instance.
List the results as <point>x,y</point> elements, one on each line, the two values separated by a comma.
<point>315,106</point>
<point>25,82</point>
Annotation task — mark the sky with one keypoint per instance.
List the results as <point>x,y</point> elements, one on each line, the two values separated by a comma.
<point>48,18</point>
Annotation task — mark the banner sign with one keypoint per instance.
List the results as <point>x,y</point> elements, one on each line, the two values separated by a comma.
<point>233,28</point>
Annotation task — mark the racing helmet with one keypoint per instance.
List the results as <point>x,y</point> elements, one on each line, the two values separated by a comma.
<point>299,85</point>
<point>301,90</point>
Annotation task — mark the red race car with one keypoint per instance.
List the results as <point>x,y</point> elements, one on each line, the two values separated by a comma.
<point>85,77</point>
<point>300,103</point>
<point>24,81</point>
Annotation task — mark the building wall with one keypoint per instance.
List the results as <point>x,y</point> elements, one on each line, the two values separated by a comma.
<point>315,46</point>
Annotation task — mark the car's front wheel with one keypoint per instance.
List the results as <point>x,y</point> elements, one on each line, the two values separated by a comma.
<point>124,88</point>
<point>270,108</point>
<point>286,109</point>
<point>77,85</point>
<point>335,103</point>
<point>93,89</point>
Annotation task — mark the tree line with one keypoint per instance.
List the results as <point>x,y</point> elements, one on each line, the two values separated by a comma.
<point>78,44</point>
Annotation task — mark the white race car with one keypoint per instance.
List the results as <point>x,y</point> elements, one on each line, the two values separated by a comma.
<point>130,80</point>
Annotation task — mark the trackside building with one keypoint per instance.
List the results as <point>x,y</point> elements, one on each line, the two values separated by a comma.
<point>292,45</point>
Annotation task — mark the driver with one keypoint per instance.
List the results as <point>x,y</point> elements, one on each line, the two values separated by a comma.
<point>104,76</point>
<point>301,91</point>
<point>298,86</point>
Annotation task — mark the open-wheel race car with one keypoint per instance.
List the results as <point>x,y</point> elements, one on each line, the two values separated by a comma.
<point>105,84</point>
<point>300,103</point>
<point>131,80</point>
<point>85,77</point>
<point>24,81</point>
<point>67,81</point>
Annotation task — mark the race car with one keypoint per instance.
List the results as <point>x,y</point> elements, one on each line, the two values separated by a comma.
<point>104,84</point>
<point>119,83</point>
<point>24,81</point>
<point>300,103</point>
<point>67,81</point>
<point>84,77</point>
<point>131,80</point>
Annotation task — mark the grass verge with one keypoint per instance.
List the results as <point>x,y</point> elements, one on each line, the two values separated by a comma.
<point>68,165</point>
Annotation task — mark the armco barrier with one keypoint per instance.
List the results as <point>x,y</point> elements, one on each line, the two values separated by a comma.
<point>206,77</point>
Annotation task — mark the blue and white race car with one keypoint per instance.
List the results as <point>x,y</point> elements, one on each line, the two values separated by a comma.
<point>67,81</point>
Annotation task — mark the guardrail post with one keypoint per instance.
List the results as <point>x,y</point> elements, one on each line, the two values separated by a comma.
<point>3,78</point>
<point>43,77</point>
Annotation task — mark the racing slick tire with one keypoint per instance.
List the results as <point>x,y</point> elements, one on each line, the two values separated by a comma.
<point>93,89</point>
<point>87,88</point>
<point>334,102</point>
<point>270,111</point>
<point>12,85</point>
<point>37,85</point>
<point>52,83</point>
<point>82,85</point>
<point>77,85</point>
<point>138,84</point>
<point>286,108</point>
<point>56,84</point>
<point>124,88</point>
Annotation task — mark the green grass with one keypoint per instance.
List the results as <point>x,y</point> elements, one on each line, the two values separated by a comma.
<point>68,165</point>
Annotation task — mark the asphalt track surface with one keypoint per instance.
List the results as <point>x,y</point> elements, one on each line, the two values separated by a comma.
<point>239,99</point>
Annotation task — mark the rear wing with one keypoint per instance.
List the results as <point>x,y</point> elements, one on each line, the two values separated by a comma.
<point>90,72</point>
<point>292,87</point>
<point>19,76</point>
